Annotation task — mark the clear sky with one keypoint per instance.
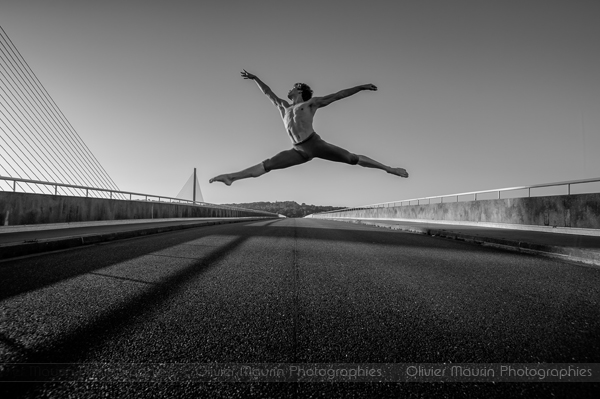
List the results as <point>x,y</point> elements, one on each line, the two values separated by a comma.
<point>473,95</point>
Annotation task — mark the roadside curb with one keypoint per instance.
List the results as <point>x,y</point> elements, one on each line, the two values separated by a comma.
<point>566,253</point>
<point>15,250</point>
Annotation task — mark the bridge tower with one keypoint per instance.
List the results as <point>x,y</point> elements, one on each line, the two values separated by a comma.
<point>191,189</point>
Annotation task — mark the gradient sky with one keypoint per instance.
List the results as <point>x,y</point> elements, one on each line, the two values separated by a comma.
<point>473,95</point>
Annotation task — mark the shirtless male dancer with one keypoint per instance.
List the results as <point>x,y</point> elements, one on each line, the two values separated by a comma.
<point>298,120</point>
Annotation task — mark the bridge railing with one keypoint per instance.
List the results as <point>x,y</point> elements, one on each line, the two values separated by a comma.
<point>92,192</point>
<point>473,195</point>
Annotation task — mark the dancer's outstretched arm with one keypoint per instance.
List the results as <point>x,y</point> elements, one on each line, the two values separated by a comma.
<point>278,102</point>
<point>326,100</point>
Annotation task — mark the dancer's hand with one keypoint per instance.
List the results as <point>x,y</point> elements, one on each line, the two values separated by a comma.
<point>370,87</point>
<point>248,75</point>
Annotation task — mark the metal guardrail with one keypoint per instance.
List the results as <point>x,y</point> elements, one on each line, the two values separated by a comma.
<point>473,193</point>
<point>160,198</point>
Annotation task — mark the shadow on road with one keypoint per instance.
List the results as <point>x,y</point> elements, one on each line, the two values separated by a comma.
<point>30,274</point>
<point>75,344</point>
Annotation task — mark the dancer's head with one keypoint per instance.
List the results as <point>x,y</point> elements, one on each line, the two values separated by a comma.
<point>302,88</point>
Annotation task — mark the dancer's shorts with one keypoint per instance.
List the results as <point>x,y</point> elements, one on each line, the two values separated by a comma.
<point>313,147</point>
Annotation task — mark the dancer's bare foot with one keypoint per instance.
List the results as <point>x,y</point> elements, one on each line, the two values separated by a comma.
<point>223,179</point>
<point>398,172</point>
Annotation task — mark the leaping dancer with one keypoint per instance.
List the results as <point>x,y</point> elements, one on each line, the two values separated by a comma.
<point>298,120</point>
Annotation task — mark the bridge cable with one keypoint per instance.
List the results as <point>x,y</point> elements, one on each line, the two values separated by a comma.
<point>14,113</point>
<point>94,162</point>
<point>16,163</point>
<point>57,111</point>
<point>31,118</point>
<point>33,108</point>
<point>20,148</point>
<point>28,73</point>
<point>48,154</point>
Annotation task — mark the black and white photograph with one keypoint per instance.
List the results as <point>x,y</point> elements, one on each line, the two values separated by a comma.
<point>178,221</point>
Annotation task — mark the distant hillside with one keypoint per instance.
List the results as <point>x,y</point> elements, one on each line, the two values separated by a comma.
<point>290,209</point>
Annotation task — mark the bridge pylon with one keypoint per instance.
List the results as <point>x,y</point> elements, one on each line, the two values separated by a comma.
<point>191,189</point>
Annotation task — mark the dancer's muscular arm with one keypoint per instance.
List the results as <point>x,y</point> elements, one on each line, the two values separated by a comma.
<point>278,102</point>
<point>326,100</point>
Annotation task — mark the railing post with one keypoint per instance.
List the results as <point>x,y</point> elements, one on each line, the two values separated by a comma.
<point>86,192</point>
<point>111,195</point>
<point>498,194</point>
<point>569,189</point>
<point>529,192</point>
<point>14,186</point>
<point>475,198</point>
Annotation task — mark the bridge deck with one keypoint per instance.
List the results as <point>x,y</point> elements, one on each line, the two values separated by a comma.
<point>288,291</point>
<point>582,248</point>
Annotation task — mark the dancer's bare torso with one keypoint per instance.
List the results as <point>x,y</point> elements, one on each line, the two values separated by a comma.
<point>298,119</point>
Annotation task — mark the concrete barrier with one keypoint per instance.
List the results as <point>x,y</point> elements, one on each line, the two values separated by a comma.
<point>580,211</point>
<point>25,208</point>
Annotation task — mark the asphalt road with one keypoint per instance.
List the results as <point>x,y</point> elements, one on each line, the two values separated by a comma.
<point>291,291</point>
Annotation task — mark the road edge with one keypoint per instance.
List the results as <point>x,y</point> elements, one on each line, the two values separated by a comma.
<point>17,250</point>
<point>589,258</point>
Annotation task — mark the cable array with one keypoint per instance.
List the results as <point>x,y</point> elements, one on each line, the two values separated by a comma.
<point>37,142</point>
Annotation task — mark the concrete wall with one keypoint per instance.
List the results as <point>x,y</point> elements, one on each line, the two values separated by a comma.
<point>22,208</point>
<point>575,211</point>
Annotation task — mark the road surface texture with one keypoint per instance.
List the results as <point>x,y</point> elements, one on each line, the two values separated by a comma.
<point>289,291</point>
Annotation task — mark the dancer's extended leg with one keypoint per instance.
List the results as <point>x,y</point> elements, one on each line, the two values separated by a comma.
<point>319,148</point>
<point>371,163</point>
<point>283,160</point>
<point>253,171</point>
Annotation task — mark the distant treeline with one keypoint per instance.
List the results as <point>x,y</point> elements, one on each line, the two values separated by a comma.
<point>291,209</point>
